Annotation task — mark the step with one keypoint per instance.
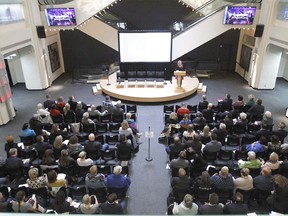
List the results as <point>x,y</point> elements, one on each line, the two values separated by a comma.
<point>204,89</point>
<point>99,89</point>
<point>203,75</point>
<point>94,90</point>
<point>200,86</point>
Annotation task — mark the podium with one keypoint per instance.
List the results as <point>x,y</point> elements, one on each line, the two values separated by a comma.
<point>179,75</point>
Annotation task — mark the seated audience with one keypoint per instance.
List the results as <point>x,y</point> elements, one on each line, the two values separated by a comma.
<point>223,179</point>
<point>239,104</point>
<point>127,131</point>
<point>263,181</point>
<point>48,158</point>
<point>117,109</point>
<point>245,181</point>
<point>41,111</point>
<point>264,131</point>
<point>203,104</point>
<point>205,135</point>
<point>48,103</point>
<point>185,122</point>
<point>182,182</point>
<point>189,133</point>
<point>61,205</point>
<point>13,161</point>
<point>273,163</point>
<point>54,112</point>
<point>23,206</point>
<point>54,184</point>
<point>41,146</point>
<point>193,145</point>
<point>278,200</point>
<point>56,131</point>
<point>251,163</point>
<point>198,165</point>
<point>73,103</point>
<point>203,182</point>
<point>186,207</point>
<point>173,119</point>
<point>92,145</point>
<point>257,110</point>
<point>79,111</point>
<point>73,146</point>
<point>111,206</point>
<point>68,113</point>
<point>250,102</point>
<point>86,120</point>
<point>86,207</point>
<point>258,146</point>
<point>183,110</point>
<point>94,180</point>
<point>11,144</point>
<point>124,147</point>
<point>268,118</point>
<point>60,104</point>
<point>66,160</point>
<point>242,121</point>
<point>199,120</point>
<point>208,113</point>
<point>83,161</point>
<point>213,145</point>
<point>26,131</point>
<point>237,207</point>
<point>174,148</point>
<point>117,180</point>
<point>180,162</point>
<point>274,145</point>
<point>280,131</point>
<point>226,104</point>
<point>107,105</point>
<point>94,113</point>
<point>212,207</point>
<point>221,132</point>
<point>58,146</point>
<point>34,181</point>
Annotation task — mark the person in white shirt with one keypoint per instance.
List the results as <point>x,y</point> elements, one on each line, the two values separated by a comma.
<point>83,161</point>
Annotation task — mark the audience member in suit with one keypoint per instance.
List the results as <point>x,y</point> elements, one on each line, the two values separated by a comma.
<point>278,200</point>
<point>263,181</point>
<point>36,124</point>
<point>13,161</point>
<point>223,179</point>
<point>280,131</point>
<point>268,118</point>
<point>212,207</point>
<point>186,207</point>
<point>274,145</point>
<point>61,205</point>
<point>263,132</point>
<point>199,120</point>
<point>54,112</point>
<point>183,110</point>
<point>180,162</point>
<point>117,180</point>
<point>208,113</point>
<point>11,144</point>
<point>251,163</point>
<point>27,131</point>
<point>124,146</point>
<point>56,131</point>
<point>245,181</point>
<point>94,113</point>
<point>117,109</point>
<point>176,147</point>
<point>214,145</point>
<point>203,104</point>
<point>107,105</point>
<point>228,120</point>
<point>72,103</point>
<point>221,132</point>
<point>94,179</point>
<point>257,110</point>
<point>237,207</point>
<point>92,145</point>
<point>182,182</point>
<point>48,103</point>
<point>243,121</point>
<point>111,206</point>
<point>86,120</point>
<point>79,111</point>
<point>226,104</point>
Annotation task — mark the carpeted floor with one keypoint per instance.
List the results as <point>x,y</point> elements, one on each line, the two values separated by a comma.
<point>150,180</point>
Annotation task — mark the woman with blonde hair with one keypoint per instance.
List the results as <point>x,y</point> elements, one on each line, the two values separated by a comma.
<point>83,161</point>
<point>245,181</point>
<point>58,145</point>
<point>127,131</point>
<point>86,207</point>
<point>273,163</point>
<point>186,207</point>
<point>35,182</point>
<point>205,135</point>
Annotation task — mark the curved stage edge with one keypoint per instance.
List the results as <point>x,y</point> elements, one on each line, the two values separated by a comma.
<point>149,91</point>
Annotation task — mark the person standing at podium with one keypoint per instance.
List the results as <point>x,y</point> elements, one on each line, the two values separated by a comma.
<point>180,67</point>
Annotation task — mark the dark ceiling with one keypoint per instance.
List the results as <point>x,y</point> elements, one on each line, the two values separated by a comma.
<point>149,14</point>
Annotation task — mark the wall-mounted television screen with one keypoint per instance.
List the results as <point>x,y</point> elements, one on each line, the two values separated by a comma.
<point>245,57</point>
<point>239,15</point>
<point>145,46</point>
<point>60,16</point>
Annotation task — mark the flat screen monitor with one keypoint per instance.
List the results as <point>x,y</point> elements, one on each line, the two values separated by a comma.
<point>239,15</point>
<point>60,16</point>
<point>145,46</point>
<point>245,57</point>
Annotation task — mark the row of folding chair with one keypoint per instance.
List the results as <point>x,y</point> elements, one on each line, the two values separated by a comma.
<point>173,108</point>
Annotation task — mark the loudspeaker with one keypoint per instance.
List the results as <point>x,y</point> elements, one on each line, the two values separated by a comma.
<point>259,31</point>
<point>41,31</point>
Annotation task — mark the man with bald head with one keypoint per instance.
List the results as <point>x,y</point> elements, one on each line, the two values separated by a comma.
<point>223,179</point>
<point>93,145</point>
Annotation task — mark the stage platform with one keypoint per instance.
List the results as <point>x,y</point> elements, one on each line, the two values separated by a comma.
<point>148,91</point>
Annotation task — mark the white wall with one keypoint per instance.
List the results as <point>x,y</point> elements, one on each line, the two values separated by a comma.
<point>32,79</point>
<point>16,70</point>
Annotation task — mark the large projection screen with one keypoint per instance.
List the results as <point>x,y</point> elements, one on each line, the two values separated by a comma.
<point>135,46</point>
